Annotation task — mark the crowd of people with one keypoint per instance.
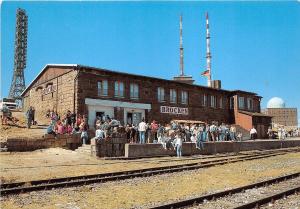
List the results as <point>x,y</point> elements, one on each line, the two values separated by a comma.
<point>70,123</point>
<point>169,135</point>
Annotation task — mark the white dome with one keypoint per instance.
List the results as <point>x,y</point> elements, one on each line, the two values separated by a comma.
<point>276,102</point>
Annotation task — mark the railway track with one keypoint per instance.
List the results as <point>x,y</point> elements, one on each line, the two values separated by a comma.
<point>22,187</point>
<point>149,160</point>
<point>197,201</point>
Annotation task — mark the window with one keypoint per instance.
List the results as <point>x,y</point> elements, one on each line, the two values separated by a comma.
<point>241,103</point>
<point>161,94</point>
<point>213,101</point>
<point>134,91</point>
<point>184,97</point>
<point>231,103</point>
<point>102,88</point>
<point>221,103</point>
<point>249,104</point>
<point>204,100</point>
<point>119,89</point>
<point>173,96</point>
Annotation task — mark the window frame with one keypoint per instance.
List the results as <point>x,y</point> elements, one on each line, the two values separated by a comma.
<point>204,100</point>
<point>184,97</point>
<point>102,91</point>
<point>213,102</point>
<point>221,103</point>
<point>160,94</point>
<point>119,90</point>
<point>249,103</point>
<point>134,91</point>
<point>173,95</point>
<point>241,105</point>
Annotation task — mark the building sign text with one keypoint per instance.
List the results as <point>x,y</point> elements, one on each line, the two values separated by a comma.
<point>174,110</point>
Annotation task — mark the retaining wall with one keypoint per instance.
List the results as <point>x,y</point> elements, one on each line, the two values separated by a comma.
<point>109,147</point>
<point>47,141</point>
<point>147,150</point>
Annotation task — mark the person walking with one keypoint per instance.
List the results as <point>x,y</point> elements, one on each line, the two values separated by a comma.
<point>142,129</point>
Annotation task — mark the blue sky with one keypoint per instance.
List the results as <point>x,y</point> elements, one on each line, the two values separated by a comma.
<point>255,45</point>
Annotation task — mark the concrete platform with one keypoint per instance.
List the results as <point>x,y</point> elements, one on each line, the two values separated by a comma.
<point>156,150</point>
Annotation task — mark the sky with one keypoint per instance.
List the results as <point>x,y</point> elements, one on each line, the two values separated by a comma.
<point>255,46</point>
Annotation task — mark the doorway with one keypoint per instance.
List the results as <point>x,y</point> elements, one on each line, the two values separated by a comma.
<point>134,118</point>
<point>100,116</point>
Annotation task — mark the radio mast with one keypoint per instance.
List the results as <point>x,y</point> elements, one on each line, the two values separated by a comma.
<point>18,80</point>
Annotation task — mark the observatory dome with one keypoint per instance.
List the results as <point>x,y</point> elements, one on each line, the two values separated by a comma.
<point>276,102</point>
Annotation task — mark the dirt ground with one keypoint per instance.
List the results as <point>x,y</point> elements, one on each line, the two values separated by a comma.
<point>20,130</point>
<point>144,192</point>
<point>58,162</point>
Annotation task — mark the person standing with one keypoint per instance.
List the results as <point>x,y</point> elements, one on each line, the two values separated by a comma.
<point>253,133</point>
<point>233,133</point>
<point>84,134</point>
<point>270,133</point>
<point>33,114</point>
<point>200,139</point>
<point>29,116</point>
<point>213,132</point>
<point>154,128</point>
<point>142,129</point>
<point>178,145</point>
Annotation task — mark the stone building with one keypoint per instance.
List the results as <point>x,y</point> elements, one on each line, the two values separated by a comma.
<point>280,114</point>
<point>129,98</point>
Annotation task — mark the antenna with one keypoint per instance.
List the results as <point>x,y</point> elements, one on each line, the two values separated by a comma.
<point>208,54</point>
<point>181,47</point>
<point>18,80</point>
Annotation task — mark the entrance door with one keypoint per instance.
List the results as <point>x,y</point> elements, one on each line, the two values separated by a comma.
<point>129,118</point>
<point>136,118</point>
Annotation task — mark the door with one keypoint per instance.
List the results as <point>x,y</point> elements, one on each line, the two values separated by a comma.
<point>129,118</point>
<point>136,118</point>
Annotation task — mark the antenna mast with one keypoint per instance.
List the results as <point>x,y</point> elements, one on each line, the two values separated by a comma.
<point>18,80</point>
<point>181,47</point>
<point>208,54</point>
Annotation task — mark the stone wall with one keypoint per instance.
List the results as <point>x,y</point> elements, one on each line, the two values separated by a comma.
<point>48,141</point>
<point>60,100</point>
<point>109,147</point>
<point>152,150</point>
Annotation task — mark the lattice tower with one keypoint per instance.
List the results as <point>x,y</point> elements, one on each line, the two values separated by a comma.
<point>18,80</point>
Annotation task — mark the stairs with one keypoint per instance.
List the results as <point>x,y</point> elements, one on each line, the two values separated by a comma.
<point>84,149</point>
<point>246,133</point>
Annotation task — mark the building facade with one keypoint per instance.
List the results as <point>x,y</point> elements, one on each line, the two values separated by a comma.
<point>283,116</point>
<point>129,98</point>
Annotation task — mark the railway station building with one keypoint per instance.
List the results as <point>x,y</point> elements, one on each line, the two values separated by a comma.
<point>129,98</point>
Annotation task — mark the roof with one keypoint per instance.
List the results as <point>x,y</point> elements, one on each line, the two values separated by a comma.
<point>240,91</point>
<point>149,77</point>
<point>254,113</point>
<point>41,72</point>
<point>79,67</point>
